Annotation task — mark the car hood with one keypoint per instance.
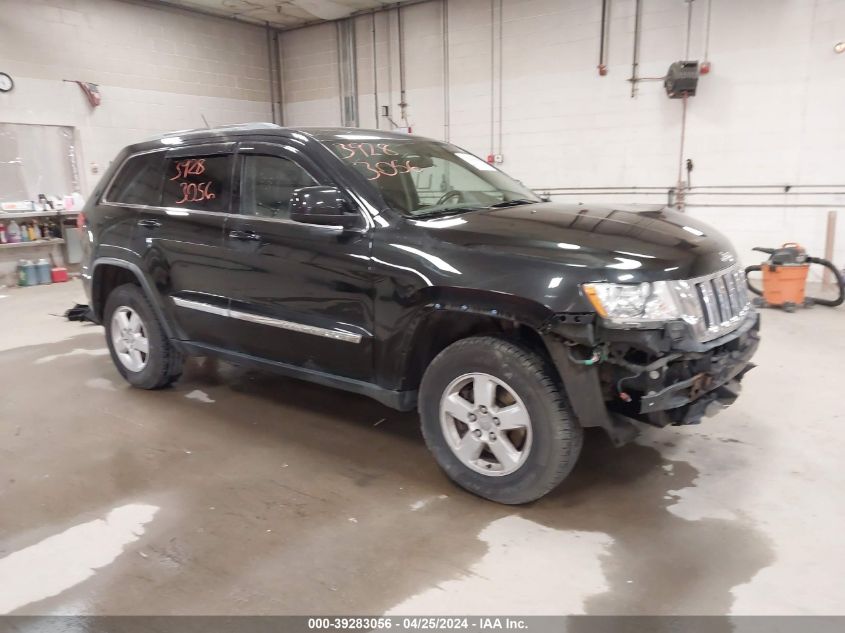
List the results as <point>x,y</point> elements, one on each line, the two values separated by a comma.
<point>619,243</point>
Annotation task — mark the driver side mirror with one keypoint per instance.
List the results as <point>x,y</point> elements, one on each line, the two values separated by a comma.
<point>322,205</point>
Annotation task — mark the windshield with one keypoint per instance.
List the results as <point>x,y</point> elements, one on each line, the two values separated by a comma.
<point>420,178</point>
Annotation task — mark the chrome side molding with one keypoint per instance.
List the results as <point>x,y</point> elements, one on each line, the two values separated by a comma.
<point>337,335</point>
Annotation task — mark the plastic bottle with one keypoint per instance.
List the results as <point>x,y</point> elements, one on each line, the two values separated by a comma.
<point>26,273</point>
<point>14,233</point>
<point>43,269</point>
<point>3,239</point>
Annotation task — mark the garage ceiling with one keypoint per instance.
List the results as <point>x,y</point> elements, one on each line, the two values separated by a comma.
<point>282,13</point>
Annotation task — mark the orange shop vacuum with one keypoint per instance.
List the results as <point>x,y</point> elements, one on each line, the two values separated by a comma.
<point>785,278</point>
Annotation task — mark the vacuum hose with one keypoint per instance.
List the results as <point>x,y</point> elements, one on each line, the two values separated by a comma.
<point>753,269</point>
<point>840,282</point>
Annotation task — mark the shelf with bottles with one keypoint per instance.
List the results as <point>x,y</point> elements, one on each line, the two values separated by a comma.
<point>19,215</point>
<point>52,241</point>
<point>30,231</point>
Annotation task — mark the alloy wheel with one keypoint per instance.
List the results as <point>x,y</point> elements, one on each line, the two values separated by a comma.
<point>486,424</point>
<point>129,337</point>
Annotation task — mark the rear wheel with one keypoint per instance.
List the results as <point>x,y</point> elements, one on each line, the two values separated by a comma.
<point>496,420</point>
<point>139,348</point>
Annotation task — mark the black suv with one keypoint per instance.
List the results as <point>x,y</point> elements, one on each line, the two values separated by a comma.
<point>411,271</point>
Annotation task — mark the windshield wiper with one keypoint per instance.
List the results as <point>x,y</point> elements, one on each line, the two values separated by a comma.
<point>512,203</point>
<point>446,211</point>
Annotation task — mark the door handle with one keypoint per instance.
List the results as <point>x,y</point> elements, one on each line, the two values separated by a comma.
<point>149,224</point>
<point>244,235</point>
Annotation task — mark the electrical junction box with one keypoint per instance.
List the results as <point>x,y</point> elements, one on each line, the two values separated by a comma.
<point>681,79</point>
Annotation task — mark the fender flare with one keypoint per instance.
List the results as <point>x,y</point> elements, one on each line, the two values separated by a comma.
<point>145,284</point>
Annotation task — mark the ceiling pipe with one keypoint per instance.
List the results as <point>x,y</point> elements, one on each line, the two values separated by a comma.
<point>403,103</point>
<point>492,78</point>
<point>603,39</point>
<point>705,64</point>
<point>271,72</point>
<point>446,86</point>
<point>501,71</point>
<point>638,13</point>
<point>375,73</point>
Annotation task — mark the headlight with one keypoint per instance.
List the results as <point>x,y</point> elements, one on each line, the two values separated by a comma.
<point>633,304</point>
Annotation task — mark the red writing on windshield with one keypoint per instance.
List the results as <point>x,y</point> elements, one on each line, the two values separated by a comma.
<point>355,152</point>
<point>365,150</point>
<point>385,168</point>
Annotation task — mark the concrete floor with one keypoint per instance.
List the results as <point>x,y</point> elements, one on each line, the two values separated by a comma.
<point>237,492</point>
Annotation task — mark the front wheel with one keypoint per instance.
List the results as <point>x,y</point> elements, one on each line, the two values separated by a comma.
<point>496,420</point>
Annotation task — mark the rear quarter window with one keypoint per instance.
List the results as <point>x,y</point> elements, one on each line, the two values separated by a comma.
<point>200,182</point>
<point>139,181</point>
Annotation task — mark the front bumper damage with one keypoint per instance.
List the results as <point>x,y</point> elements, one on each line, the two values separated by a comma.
<point>657,377</point>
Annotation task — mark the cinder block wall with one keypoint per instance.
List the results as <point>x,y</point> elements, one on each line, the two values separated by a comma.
<point>158,68</point>
<point>769,113</point>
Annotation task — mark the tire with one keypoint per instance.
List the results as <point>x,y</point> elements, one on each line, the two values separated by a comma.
<point>523,383</point>
<point>161,364</point>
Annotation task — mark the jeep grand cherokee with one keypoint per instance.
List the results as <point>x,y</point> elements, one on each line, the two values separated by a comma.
<point>413,272</point>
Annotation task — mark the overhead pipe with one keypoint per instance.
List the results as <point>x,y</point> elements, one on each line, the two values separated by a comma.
<point>389,107</point>
<point>704,68</point>
<point>271,71</point>
<point>501,72</point>
<point>492,79</point>
<point>403,104</point>
<point>446,85</point>
<point>603,39</point>
<point>638,12</point>
<point>375,73</point>
<point>280,86</point>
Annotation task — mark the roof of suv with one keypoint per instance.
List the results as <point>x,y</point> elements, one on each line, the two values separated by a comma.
<point>271,129</point>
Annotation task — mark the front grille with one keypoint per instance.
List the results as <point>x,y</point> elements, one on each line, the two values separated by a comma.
<point>723,303</point>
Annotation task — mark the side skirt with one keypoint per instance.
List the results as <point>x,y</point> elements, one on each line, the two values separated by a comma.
<point>400,400</point>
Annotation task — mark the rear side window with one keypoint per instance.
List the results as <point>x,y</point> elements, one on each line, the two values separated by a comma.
<point>139,181</point>
<point>201,182</point>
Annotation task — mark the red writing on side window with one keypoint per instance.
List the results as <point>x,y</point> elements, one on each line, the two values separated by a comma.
<point>193,192</point>
<point>189,167</point>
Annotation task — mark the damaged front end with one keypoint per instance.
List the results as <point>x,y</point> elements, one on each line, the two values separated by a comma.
<point>614,377</point>
<point>680,385</point>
